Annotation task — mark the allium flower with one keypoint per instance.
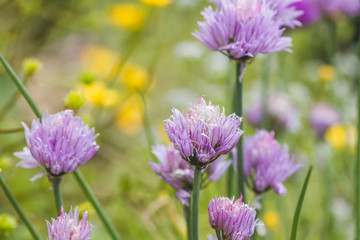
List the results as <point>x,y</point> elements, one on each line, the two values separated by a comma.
<point>334,7</point>
<point>280,111</point>
<point>322,116</point>
<point>59,142</point>
<point>68,227</point>
<point>311,11</point>
<point>203,134</point>
<point>242,29</point>
<point>286,14</point>
<point>178,173</point>
<point>234,220</point>
<point>270,163</point>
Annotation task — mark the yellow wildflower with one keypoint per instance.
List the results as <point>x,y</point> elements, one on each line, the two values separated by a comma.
<point>129,117</point>
<point>336,137</point>
<point>134,77</point>
<point>271,219</point>
<point>99,61</point>
<point>156,3</point>
<point>326,73</point>
<point>127,16</point>
<point>31,65</point>
<point>98,94</point>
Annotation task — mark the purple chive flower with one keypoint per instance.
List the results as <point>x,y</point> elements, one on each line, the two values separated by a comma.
<point>286,13</point>
<point>203,134</point>
<point>268,162</point>
<point>335,7</point>
<point>280,112</point>
<point>178,173</point>
<point>311,11</point>
<point>59,142</point>
<point>322,116</point>
<point>234,220</point>
<point>242,29</point>
<point>67,226</point>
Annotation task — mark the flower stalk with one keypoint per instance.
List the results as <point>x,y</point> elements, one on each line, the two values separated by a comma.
<point>19,84</point>
<point>83,184</point>
<point>92,198</point>
<point>357,164</point>
<point>238,104</point>
<point>194,215</point>
<point>56,183</point>
<point>18,209</point>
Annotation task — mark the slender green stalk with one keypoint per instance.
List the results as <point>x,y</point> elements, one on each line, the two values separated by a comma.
<point>18,209</point>
<point>77,173</point>
<point>218,234</point>
<point>92,198</point>
<point>331,41</point>
<point>14,130</point>
<point>187,218</point>
<point>230,182</point>
<point>149,134</point>
<point>299,205</point>
<point>238,104</point>
<point>194,215</point>
<point>56,183</point>
<point>12,100</point>
<point>357,167</point>
<point>20,86</point>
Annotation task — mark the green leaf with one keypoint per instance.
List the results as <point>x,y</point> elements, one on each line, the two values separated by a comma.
<point>299,205</point>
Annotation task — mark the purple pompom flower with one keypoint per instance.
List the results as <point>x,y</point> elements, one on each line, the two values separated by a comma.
<point>233,220</point>
<point>67,226</point>
<point>203,134</point>
<point>311,11</point>
<point>270,163</point>
<point>286,13</point>
<point>242,29</point>
<point>322,116</point>
<point>178,173</point>
<point>335,7</point>
<point>59,142</point>
<point>280,111</point>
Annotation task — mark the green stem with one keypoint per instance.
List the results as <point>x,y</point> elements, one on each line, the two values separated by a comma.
<point>20,86</point>
<point>295,222</point>
<point>194,216</point>
<point>92,198</point>
<point>77,173</point>
<point>332,43</point>
<point>56,183</point>
<point>12,100</point>
<point>218,234</point>
<point>238,102</point>
<point>18,209</point>
<point>230,177</point>
<point>14,130</point>
<point>149,134</point>
<point>357,164</point>
<point>187,218</point>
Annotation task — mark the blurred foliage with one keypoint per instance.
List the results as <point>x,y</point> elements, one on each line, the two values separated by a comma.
<point>110,51</point>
